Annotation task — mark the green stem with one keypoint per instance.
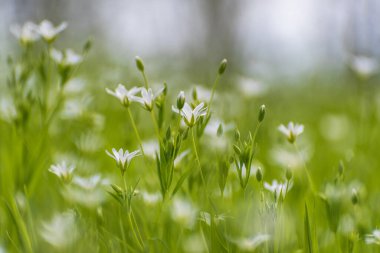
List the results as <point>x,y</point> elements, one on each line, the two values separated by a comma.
<point>306,170</point>
<point>212,93</point>
<point>197,158</point>
<point>145,80</point>
<point>155,125</point>
<point>136,131</point>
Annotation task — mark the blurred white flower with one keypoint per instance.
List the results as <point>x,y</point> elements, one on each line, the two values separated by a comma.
<point>47,30</point>
<point>189,115</point>
<point>63,171</point>
<point>125,96</point>
<point>335,127</point>
<point>373,238</point>
<point>278,189</point>
<point>75,86</point>
<point>151,147</point>
<point>89,142</point>
<point>76,107</point>
<point>287,158</point>
<point>86,191</point>
<point>151,198</point>
<point>8,110</point>
<point>65,58</point>
<point>27,33</point>
<point>206,218</point>
<point>183,212</point>
<point>364,66</point>
<point>250,87</point>
<point>61,231</point>
<point>251,243</point>
<point>123,158</point>
<point>291,131</point>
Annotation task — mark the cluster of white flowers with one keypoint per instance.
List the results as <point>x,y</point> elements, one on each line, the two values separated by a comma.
<point>31,32</point>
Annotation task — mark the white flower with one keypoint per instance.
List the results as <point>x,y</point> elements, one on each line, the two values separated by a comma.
<point>279,189</point>
<point>125,96</point>
<point>151,198</point>
<point>123,159</point>
<point>364,66</point>
<point>373,238</point>
<point>63,171</point>
<point>27,33</point>
<point>189,115</point>
<point>89,183</point>
<point>65,58</point>
<point>147,98</point>
<point>250,244</point>
<point>47,30</point>
<point>183,212</point>
<point>61,230</point>
<point>292,131</point>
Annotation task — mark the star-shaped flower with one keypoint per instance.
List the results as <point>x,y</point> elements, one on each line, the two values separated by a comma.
<point>125,96</point>
<point>148,97</point>
<point>66,58</point>
<point>291,131</point>
<point>123,158</point>
<point>28,33</point>
<point>63,171</point>
<point>47,30</point>
<point>189,115</point>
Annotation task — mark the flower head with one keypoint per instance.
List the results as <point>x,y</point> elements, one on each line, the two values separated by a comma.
<point>28,33</point>
<point>278,189</point>
<point>291,131</point>
<point>189,115</point>
<point>47,30</point>
<point>373,238</point>
<point>148,97</point>
<point>123,159</point>
<point>63,171</point>
<point>66,58</point>
<point>125,96</point>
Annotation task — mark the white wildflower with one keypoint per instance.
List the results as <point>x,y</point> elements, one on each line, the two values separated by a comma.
<point>278,189</point>
<point>28,33</point>
<point>61,231</point>
<point>291,131</point>
<point>189,115</point>
<point>151,198</point>
<point>66,58</point>
<point>183,212</point>
<point>123,158</point>
<point>148,97</point>
<point>47,30</point>
<point>63,171</point>
<point>125,96</point>
<point>251,243</point>
<point>364,66</point>
<point>373,238</point>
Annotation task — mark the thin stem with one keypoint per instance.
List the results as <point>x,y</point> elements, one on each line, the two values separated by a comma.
<point>136,131</point>
<point>212,93</point>
<point>122,228</point>
<point>137,227</point>
<point>145,80</point>
<point>197,158</point>
<point>134,232</point>
<point>155,125</point>
<point>305,169</point>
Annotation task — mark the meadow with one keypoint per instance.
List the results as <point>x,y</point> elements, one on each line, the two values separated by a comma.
<point>227,165</point>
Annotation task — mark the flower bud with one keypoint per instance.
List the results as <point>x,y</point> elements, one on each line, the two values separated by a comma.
<point>261,113</point>
<point>288,174</point>
<point>354,197</point>
<point>194,94</point>
<point>139,64</point>
<point>219,132</point>
<point>222,66</point>
<point>237,135</point>
<point>181,100</point>
<point>259,175</point>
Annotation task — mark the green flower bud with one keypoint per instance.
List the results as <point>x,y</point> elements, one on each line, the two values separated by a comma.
<point>139,64</point>
<point>222,66</point>
<point>288,174</point>
<point>259,175</point>
<point>194,94</point>
<point>354,196</point>
<point>261,113</point>
<point>237,135</point>
<point>236,149</point>
<point>181,100</point>
<point>219,132</point>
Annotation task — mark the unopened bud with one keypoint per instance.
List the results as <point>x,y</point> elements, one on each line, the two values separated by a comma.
<point>181,100</point>
<point>194,94</point>
<point>222,66</point>
<point>87,46</point>
<point>139,64</point>
<point>219,132</point>
<point>354,196</point>
<point>288,174</point>
<point>259,175</point>
<point>237,135</point>
<point>261,113</point>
